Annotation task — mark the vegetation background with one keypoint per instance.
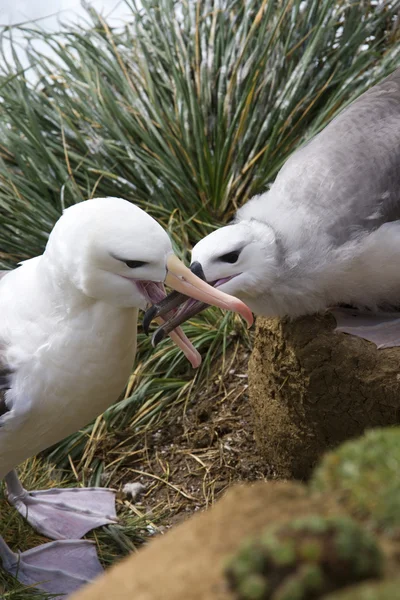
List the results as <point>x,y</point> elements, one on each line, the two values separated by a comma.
<point>188,110</point>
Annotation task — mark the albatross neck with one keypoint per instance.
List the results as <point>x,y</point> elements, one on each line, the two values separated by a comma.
<point>66,296</point>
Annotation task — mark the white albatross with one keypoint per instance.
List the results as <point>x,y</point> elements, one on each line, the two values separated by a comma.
<point>326,234</point>
<point>67,345</point>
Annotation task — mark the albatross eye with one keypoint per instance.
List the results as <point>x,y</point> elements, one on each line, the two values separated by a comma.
<point>230,257</point>
<point>134,264</point>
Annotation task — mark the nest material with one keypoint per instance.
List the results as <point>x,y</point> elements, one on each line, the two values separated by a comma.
<point>312,388</point>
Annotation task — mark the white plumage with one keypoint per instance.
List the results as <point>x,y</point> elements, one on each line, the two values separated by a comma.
<point>78,362</point>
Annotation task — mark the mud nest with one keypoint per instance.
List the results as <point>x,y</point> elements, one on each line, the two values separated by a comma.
<point>312,388</point>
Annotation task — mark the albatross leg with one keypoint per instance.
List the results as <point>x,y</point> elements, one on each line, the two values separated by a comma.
<point>62,513</point>
<point>60,567</point>
<point>382,328</point>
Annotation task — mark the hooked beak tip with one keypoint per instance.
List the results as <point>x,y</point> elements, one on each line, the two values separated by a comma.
<point>158,336</point>
<point>148,317</point>
<point>245,312</point>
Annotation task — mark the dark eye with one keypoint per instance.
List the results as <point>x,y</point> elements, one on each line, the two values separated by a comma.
<point>134,264</point>
<point>230,257</point>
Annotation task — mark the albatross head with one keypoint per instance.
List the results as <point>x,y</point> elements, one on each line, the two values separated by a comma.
<point>108,249</point>
<point>111,250</point>
<point>240,259</point>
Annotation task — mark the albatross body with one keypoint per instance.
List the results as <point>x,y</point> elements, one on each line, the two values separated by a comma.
<point>327,233</point>
<point>78,353</point>
<point>67,346</point>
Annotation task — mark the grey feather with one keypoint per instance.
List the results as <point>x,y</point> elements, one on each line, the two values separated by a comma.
<point>5,374</point>
<point>5,384</point>
<point>348,176</point>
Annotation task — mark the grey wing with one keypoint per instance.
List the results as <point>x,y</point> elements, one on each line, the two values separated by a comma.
<point>348,175</point>
<point>5,373</point>
<point>5,384</point>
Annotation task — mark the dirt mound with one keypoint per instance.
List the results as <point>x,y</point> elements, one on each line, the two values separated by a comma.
<point>188,562</point>
<point>311,389</point>
<point>278,539</point>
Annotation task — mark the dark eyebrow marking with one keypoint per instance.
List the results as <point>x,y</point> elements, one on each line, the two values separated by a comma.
<point>135,264</point>
<point>225,257</point>
<point>132,264</point>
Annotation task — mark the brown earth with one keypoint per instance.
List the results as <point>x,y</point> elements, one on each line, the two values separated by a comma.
<point>307,391</point>
<point>312,389</point>
<point>199,450</point>
<point>188,562</point>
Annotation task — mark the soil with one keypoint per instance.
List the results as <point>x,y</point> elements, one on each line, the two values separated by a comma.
<point>312,389</point>
<point>200,450</point>
<point>189,562</point>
